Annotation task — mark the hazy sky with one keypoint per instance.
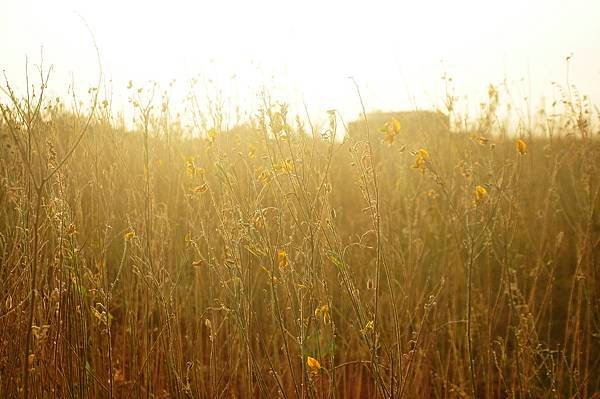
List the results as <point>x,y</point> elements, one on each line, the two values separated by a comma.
<point>396,50</point>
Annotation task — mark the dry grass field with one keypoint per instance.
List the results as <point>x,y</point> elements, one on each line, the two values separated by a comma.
<point>392,256</point>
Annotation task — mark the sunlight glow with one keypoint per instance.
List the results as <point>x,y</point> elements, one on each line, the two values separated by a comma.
<point>397,51</point>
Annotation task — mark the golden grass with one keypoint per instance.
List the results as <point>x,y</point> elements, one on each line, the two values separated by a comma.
<point>280,259</point>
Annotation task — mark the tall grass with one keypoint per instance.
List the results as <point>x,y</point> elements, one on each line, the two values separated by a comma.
<point>278,258</point>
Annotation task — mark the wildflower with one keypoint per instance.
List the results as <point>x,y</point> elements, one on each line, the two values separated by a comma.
<point>130,235</point>
<point>421,158</point>
<point>282,259</point>
<point>200,189</point>
<point>480,194</point>
<point>313,364</point>
<point>521,147</point>
<point>390,129</point>
<point>483,140</point>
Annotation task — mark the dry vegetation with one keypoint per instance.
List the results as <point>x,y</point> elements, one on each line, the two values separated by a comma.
<point>281,259</point>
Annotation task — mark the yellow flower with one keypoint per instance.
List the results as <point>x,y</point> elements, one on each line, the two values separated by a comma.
<point>421,158</point>
<point>130,235</point>
<point>480,194</point>
<point>395,125</point>
<point>390,129</point>
<point>423,153</point>
<point>200,189</point>
<point>483,140</point>
<point>282,258</point>
<point>521,147</point>
<point>313,364</point>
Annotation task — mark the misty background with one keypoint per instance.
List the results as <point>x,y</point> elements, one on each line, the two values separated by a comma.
<point>304,52</point>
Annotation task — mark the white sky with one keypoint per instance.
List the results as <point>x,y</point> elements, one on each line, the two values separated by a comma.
<point>396,50</point>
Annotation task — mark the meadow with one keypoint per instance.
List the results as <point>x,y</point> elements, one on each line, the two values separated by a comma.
<point>397,255</point>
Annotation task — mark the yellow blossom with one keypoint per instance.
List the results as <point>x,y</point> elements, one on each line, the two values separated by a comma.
<point>480,194</point>
<point>521,147</point>
<point>200,189</point>
<point>421,158</point>
<point>482,140</point>
<point>282,258</point>
<point>390,129</point>
<point>313,364</point>
<point>130,235</point>
<point>423,153</point>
